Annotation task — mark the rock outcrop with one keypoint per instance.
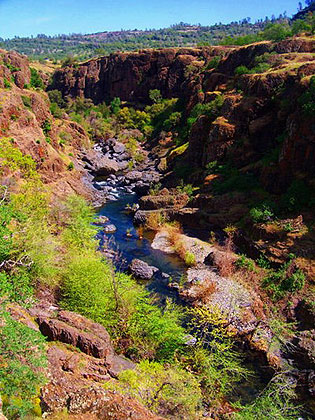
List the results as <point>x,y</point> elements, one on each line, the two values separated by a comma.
<point>25,117</point>
<point>130,76</point>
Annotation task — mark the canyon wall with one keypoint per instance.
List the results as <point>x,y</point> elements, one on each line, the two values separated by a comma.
<point>257,110</point>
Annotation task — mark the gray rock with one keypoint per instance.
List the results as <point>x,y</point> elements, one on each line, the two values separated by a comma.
<point>110,228</point>
<point>134,175</point>
<point>101,220</point>
<point>140,217</point>
<point>142,270</point>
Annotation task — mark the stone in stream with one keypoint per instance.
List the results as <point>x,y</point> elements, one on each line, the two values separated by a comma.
<point>101,220</point>
<point>142,270</point>
<point>110,228</point>
<point>134,176</point>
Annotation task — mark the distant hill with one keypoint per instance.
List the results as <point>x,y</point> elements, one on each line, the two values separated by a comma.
<point>102,43</point>
<point>83,47</point>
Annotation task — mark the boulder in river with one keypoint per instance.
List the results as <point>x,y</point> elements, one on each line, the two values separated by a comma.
<point>110,228</point>
<point>101,220</point>
<point>142,270</point>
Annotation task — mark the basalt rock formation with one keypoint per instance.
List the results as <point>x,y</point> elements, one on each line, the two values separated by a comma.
<point>257,108</point>
<point>130,76</point>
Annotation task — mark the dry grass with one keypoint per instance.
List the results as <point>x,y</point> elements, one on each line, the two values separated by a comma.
<point>174,232</point>
<point>225,262</point>
<point>155,221</point>
<point>204,291</point>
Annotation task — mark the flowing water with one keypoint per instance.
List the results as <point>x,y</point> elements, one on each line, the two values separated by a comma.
<point>130,247</point>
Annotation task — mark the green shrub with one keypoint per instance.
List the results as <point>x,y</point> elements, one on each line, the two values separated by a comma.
<point>155,333</point>
<point>13,159</point>
<point>7,84</point>
<point>213,358</point>
<point>307,100</point>
<point>244,262</point>
<point>276,31</point>
<point>46,127</point>
<point>36,81</point>
<point>183,188</point>
<point>211,109</point>
<point>22,363</point>
<point>297,197</point>
<point>155,96</point>
<point>190,259</point>
<point>16,287</point>
<point>166,391</point>
<point>261,214</point>
<point>288,278</point>
<point>115,105</point>
<point>70,167</point>
<point>55,96</point>
<point>56,110</point>
<point>6,215</point>
<point>26,101</point>
<point>263,262</point>
<point>213,63</point>
<point>241,70</point>
<point>277,401</point>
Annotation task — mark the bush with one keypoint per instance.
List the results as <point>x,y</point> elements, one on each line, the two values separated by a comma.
<point>16,287</point>
<point>307,100</point>
<point>241,70</point>
<point>55,96</point>
<point>46,127</point>
<point>277,401</point>
<point>26,101</point>
<point>297,196</point>
<point>6,215</point>
<point>261,214</point>
<point>56,110</point>
<point>70,167</point>
<point>190,259</point>
<point>155,333</point>
<point>22,364</point>
<point>36,81</point>
<point>115,105</point>
<point>288,278</point>
<point>213,63</point>
<point>244,262</point>
<point>155,96</point>
<point>166,391</point>
<point>7,84</point>
<point>213,358</point>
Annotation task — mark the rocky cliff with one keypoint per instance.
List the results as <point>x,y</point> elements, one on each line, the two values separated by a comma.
<point>25,117</point>
<point>257,107</point>
<point>130,76</point>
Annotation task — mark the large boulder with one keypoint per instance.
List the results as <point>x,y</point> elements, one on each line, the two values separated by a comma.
<point>142,270</point>
<point>76,387</point>
<point>99,164</point>
<point>91,338</point>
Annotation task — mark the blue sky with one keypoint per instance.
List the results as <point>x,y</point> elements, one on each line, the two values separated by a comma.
<point>31,17</point>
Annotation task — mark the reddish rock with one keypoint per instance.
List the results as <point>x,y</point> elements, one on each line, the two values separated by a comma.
<point>74,329</point>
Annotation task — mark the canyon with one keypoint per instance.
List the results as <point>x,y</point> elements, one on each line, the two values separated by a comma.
<point>256,124</point>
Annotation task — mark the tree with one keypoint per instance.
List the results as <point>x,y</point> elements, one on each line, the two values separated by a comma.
<point>155,96</point>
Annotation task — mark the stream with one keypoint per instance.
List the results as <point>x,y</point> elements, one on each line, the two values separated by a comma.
<point>130,247</point>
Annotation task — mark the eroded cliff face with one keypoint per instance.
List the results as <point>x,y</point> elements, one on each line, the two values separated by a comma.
<point>257,108</point>
<point>25,117</point>
<point>130,76</point>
